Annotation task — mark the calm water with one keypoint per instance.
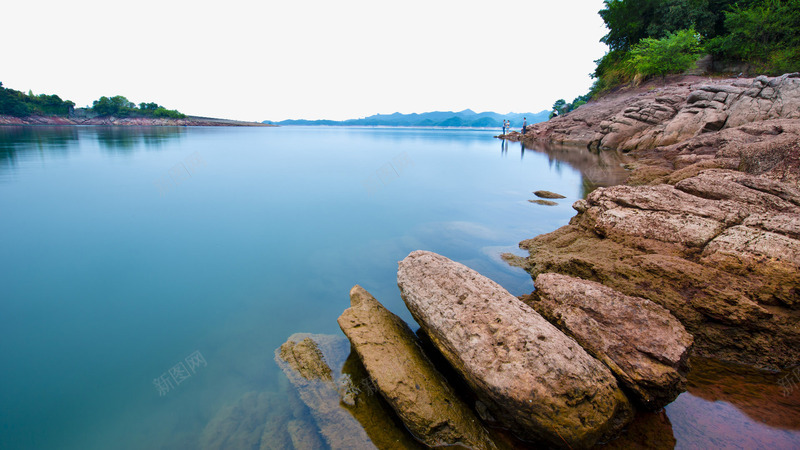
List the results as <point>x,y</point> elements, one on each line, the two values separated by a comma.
<point>128,253</point>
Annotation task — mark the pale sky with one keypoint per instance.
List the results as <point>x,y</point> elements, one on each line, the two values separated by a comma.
<point>271,60</point>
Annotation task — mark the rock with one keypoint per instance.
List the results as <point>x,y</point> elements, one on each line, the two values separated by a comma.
<point>644,345</point>
<point>303,359</point>
<point>256,420</point>
<point>373,413</point>
<point>658,114</point>
<point>528,374</point>
<point>405,377</point>
<point>648,431</point>
<point>719,250</point>
<point>547,194</point>
<point>543,202</point>
<point>303,436</point>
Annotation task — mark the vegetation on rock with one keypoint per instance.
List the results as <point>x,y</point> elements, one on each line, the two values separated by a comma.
<point>764,34</point>
<point>649,38</point>
<point>119,106</point>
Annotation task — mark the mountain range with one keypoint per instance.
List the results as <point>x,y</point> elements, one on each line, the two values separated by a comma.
<point>466,118</point>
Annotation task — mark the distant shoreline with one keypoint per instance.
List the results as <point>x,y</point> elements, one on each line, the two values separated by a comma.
<point>188,121</point>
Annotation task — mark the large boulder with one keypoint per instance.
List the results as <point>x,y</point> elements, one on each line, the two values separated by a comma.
<point>645,346</point>
<point>406,378</point>
<point>530,376</point>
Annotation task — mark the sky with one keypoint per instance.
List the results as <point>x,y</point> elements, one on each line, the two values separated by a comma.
<point>276,60</point>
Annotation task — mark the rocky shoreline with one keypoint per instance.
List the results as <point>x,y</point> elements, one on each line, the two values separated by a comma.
<point>189,121</point>
<point>708,225</point>
<point>696,258</point>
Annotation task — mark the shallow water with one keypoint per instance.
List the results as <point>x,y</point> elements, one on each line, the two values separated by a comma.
<point>186,256</point>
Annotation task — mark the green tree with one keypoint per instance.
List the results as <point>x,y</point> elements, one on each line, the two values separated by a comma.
<point>765,34</point>
<point>672,54</point>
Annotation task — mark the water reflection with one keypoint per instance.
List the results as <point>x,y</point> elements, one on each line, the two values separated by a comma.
<point>19,140</point>
<point>598,168</point>
<point>757,394</point>
<point>725,406</point>
<point>127,139</point>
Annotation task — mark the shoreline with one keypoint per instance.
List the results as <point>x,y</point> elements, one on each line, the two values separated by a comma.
<point>714,166</point>
<point>189,121</point>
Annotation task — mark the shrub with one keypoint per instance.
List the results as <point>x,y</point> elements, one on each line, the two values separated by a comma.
<point>672,54</point>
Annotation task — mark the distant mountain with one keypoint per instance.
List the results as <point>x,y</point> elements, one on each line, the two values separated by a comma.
<point>466,118</point>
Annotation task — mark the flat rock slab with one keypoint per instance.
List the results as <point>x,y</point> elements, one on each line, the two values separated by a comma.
<point>531,376</point>
<point>645,346</point>
<point>405,377</point>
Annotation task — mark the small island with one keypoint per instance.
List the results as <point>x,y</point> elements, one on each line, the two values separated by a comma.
<point>19,108</point>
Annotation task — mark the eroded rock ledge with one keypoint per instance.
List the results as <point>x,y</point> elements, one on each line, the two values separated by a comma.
<point>708,226</point>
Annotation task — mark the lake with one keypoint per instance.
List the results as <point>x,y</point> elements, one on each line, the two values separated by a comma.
<point>132,255</point>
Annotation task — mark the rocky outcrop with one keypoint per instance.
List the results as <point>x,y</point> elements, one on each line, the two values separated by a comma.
<point>528,374</point>
<point>660,115</point>
<point>719,250</point>
<point>304,363</point>
<point>644,345</point>
<point>405,377</point>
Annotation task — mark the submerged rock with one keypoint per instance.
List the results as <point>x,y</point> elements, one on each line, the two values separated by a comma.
<point>642,343</point>
<point>257,419</point>
<point>406,378</point>
<point>543,202</point>
<point>304,363</point>
<point>529,375</point>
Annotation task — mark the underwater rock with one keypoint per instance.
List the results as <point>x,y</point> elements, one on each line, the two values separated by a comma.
<point>304,363</point>
<point>530,376</point>
<point>543,202</point>
<point>406,378</point>
<point>257,419</point>
<point>644,345</point>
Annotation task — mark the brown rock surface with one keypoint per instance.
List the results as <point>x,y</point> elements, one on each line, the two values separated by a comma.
<point>547,194</point>
<point>406,378</point>
<point>529,375</point>
<point>719,250</point>
<point>644,345</point>
<point>373,413</point>
<point>657,114</point>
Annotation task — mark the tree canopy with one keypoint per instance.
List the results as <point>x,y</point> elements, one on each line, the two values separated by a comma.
<point>119,106</point>
<point>658,37</point>
<point>19,104</point>
<point>652,37</point>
